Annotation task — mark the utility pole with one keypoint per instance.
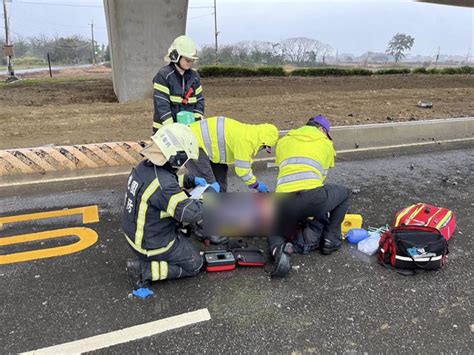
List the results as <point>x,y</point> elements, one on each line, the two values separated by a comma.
<point>8,48</point>
<point>216,33</point>
<point>92,43</point>
<point>437,56</point>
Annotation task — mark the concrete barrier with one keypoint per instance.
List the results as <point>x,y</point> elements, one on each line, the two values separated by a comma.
<point>48,160</point>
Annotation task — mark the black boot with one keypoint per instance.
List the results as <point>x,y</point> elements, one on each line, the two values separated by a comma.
<point>282,260</point>
<point>330,246</point>
<point>136,270</point>
<point>213,239</point>
<point>217,239</point>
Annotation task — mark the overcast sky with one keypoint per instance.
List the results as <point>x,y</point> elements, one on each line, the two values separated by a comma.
<point>350,26</point>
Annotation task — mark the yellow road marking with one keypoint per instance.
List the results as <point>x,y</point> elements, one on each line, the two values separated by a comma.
<point>90,214</point>
<point>87,237</point>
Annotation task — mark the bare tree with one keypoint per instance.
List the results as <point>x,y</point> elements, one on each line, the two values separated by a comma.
<point>326,50</point>
<point>300,49</point>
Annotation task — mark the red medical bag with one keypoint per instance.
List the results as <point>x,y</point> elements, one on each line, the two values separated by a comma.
<point>425,215</point>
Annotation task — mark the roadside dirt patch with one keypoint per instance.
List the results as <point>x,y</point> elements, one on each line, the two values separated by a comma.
<point>80,106</point>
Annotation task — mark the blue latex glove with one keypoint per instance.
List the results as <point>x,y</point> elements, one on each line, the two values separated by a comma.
<point>260,187</point>
<point>199,181</point>
<point>216,186</point>
<point>143,292</point>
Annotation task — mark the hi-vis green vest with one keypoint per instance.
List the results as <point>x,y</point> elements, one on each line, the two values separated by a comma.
<point>304,157</point>
<point>229,141</point>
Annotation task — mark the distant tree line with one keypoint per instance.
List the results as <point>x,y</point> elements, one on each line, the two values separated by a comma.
<point>62,50</point>
<point>309,52</point>
<point>299,51</point>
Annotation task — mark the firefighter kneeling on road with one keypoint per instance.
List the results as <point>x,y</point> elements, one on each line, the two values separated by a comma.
<point>304,157</point>
<point>223,140</point>
<point>155,205</point>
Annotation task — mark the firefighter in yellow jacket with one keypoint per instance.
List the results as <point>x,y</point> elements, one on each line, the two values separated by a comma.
<point>304,157</point>
<point>223,140</point>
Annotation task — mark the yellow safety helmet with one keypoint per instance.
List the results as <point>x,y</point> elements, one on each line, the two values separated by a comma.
<point>174,143</point>
<point>182,46</point>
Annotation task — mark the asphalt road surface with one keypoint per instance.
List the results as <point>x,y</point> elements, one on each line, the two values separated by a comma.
<point>337,303</point>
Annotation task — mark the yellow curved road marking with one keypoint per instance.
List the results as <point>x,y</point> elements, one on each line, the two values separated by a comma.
<point>90,214</point>
<point>87,237</point>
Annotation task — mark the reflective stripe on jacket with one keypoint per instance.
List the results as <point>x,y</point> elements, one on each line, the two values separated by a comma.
<point>304,157</point>
<point>154,204</point>
<point>229,141</point>
<point>169,90</point>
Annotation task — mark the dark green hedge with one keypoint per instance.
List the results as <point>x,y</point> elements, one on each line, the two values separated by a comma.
<point>228,71</point>
<point>461,70</point>
<point>419,71</point>
<point>392,71</point>
<point>330,72</point>
<point>446,71</point>
<point>219,71</point>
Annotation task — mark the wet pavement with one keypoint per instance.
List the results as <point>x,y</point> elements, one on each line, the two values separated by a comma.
<point>337,303</point>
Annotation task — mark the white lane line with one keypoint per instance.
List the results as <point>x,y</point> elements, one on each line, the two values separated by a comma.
<point>127,334</point>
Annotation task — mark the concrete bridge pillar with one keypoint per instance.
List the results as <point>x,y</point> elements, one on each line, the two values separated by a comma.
<point>140,32</point>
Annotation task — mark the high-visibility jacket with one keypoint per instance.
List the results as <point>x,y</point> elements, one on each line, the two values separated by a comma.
<point>169,90</point>
<point>304,157</point>
<point>226,140</point>
<point>154,204</point>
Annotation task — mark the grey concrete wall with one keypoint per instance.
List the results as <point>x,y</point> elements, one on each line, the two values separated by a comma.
<point>140,33</point>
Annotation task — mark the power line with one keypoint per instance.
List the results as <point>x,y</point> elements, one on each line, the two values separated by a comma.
<point>56,4</point>
<point>195,17</point>
<point>94,6</point>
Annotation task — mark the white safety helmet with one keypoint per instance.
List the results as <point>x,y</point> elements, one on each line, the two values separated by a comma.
<point>182,46</point>
<point>174,143</point>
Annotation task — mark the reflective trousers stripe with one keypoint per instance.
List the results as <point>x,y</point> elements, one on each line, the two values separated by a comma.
<point>305,161</point>
<point>298,176</point>
<point>159,270</point>
<point>206,138</point>
<point>152,252</point>
<point>221,138</point>
<point>141,219</point>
